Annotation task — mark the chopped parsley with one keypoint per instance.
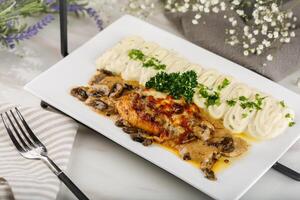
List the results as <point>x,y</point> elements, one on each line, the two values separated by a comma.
<point>256,104</point>
<point>243,98</point>
<point>224,84</point>
<point>175,84</point>
<point>211,97</point>
<point>292,124</point>
<point>148,61</point>
<point>282,103</point>
<point>288,115</point>
<point>231,102</point>
<point>244,115</point>
<point>136,54</point>
<point>245,103</point>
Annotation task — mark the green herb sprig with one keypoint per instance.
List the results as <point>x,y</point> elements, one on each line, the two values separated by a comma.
<point>148,61</point>
<point>245,103</point>
<point>175,84</point>
<point>211,96</point>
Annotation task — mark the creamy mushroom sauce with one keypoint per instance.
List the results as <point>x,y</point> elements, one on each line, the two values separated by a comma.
<point>151,117</point>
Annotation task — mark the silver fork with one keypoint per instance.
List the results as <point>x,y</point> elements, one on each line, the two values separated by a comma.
<point>30,147</point>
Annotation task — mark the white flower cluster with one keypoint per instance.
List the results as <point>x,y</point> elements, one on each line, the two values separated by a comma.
<point>266,26</point>
<point>141,8</point>
<point>200,7</point>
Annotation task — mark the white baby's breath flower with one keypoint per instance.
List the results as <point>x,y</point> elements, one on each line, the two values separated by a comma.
<point>197,16</point>
<point>267,24</point>
<point>240,12</point>
<point>292,34</point>
<point>246,53</point>
<point>194,21</point>
<point>269,57</point>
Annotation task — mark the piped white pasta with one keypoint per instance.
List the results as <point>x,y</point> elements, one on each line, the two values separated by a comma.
<point>133,69</point>
<point>119,49</point>
<point>195,67</point>
<point>209,77</point>
<point>146,74</point>
<point>265,123</point>
<point>217,111</point>
<point>270,121</point>
<point>237,118</point>
<point>178,66</point>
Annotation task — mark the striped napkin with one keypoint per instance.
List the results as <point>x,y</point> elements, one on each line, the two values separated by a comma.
<point>32,179</point>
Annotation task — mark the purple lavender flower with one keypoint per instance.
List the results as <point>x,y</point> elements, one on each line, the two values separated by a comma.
<point>31,31</point>
<point>78,8</point>
<point>93,13</point>
<point>12,39</point>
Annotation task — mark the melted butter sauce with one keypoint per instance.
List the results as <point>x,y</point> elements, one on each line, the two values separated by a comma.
<point>247,137</point>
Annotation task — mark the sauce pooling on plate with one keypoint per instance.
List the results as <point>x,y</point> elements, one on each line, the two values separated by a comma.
<point>150,117</point>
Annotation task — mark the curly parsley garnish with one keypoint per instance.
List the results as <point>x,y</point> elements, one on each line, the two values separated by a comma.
<point>175,84</point>
<point>148,61</point>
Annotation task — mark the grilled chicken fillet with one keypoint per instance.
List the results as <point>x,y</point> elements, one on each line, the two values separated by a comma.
<point>172,123</point>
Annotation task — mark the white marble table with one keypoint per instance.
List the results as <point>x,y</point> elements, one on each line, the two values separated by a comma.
<point>103,169</point>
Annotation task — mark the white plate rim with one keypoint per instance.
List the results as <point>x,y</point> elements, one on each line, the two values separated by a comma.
<point>129,19</point>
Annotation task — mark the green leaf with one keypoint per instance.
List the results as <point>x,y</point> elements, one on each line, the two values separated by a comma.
<point>231,102</point>
<point>224,84</point>
<point>292,124</point>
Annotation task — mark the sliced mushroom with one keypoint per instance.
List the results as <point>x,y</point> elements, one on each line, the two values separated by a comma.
<point>92,92</point>
<point>200,153</point>
<point>120,123</point>
<point>240,146</point>
<point>101,88</point>
<point>116,90</point>
<point>97,104</point>
<point>186,156</point>
<point>80,93</point>
<point>147,142</point>
<point>224,144</point>
<point>130,130</point>
<point>101,74</point>
<point>189,138</point>
<point>137,137</point>
<point>128,86</point>
<point>204,130</point>
<point>209,174</point>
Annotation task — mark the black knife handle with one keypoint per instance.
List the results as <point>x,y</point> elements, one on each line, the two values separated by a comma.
<point>74,189</point>
<point>286,171</point>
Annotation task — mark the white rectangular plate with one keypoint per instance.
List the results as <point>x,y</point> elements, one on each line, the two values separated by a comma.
<point>53,86</point>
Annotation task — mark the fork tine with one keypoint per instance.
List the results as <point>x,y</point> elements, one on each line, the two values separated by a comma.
<point>22,130</point>
<point>31,134</point>
<point>11,135</point>
<point>25,146</point>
